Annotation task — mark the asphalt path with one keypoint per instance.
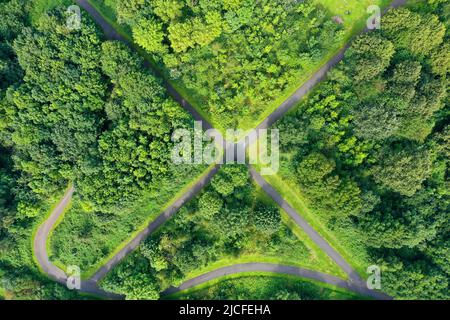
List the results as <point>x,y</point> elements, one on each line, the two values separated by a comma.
<point>40,239</point>
<point>111,34</point>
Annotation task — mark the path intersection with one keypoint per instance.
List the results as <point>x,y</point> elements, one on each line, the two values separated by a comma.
<point>354,283</point>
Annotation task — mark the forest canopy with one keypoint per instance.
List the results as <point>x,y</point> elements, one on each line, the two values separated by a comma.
<point>367,148</point>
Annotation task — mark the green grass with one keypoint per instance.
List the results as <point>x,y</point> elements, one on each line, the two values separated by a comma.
<point>262,285</point>
<point>23,257</point>
<point>57,223</point>
<point>357,17</point>
<point>66,247</point>
<point>108,12</point>
<point>319,260</point>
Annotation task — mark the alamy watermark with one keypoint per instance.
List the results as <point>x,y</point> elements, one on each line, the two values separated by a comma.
<point>258,147</point>
<point>374,280</point>
<point>73,21</point>
<point>73,278</point>
<point>374,21</point>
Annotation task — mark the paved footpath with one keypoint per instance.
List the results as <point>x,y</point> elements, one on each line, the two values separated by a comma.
<point>40,251</point>
<point>40,239</point>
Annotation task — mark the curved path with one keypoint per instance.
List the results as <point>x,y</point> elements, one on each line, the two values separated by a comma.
<point>90,286</point>
<point>281,269</point>
<point>356,284</point>
<point>40,251</point>
<point>40,239</point>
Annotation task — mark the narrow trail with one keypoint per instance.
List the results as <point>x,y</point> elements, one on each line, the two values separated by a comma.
<point>111,34</point>
<point>280,269</point>
<point>90,286</point>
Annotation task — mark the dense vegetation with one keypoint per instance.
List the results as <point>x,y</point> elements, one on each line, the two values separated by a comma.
<point>87,236</point>
<point>234,58</point>
<point>105,127</point>
<point>20,208</point>
<point>369,151</point>
<point>263,287</point>
<point>221,226</point>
